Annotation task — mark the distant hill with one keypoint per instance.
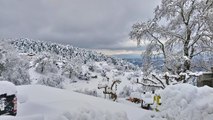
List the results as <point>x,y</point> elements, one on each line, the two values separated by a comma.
<point>137,59</point>
<point>25,45</point>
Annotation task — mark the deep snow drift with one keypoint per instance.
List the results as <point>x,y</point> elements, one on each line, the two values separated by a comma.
<point>179,102</point>
<point>186,102</point>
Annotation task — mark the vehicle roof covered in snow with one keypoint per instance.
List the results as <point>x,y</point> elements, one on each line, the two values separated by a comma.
<point>7,88</point>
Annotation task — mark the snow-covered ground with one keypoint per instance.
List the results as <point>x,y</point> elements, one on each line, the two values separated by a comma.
<point>46,103</point>
<point>179,102</point>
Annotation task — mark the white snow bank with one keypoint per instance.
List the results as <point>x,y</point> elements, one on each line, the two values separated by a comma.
<point>7,87</point>
<point>187,102</point>
<point>46,103</point>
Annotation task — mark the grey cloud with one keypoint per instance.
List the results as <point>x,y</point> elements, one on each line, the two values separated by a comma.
<point>82,23</point>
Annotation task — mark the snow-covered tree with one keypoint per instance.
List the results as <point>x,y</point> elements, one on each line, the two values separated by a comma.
<point>179,31</point>
<point>13,67</point>
<point>209,16</point>
<point>52,80</point>
<point>68,71</point>
<point>73,68</point>
<point>46,64</point>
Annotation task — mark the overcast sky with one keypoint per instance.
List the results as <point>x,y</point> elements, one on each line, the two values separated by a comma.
<point>93,24</point>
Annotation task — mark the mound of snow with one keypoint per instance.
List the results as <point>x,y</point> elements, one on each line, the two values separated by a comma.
<point>187,102</point>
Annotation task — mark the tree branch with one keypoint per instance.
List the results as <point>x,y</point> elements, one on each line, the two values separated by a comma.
<point>146,79</point>
<point>158,80</point>
<point>151,85</point>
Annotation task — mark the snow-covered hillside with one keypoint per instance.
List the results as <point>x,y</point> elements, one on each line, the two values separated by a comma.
<point>25,45</point>
<point>76,69</point>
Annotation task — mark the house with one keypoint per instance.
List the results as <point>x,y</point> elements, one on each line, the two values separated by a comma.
<point>206,79</point>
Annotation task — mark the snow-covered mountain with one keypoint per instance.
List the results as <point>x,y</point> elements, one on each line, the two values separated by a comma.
<point>25,45</point>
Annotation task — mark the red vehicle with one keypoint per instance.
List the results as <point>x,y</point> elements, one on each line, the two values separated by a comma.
<point>8,99</point>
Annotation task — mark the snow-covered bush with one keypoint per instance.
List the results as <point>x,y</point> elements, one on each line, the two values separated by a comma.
<point>103,73</point>
<point>92,68</point>
<point>83,76</point>
<point>129,77</point>
<point>106,67</point>
<point>121,68</point>
<point>52,81</point>
<point>68,71</point>
<point>118,73</point>
<point>126,91</point>
<point>19,76</point>
<point>46,65</point>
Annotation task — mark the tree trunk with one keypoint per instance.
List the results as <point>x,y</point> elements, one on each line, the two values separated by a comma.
<point>187,63</point>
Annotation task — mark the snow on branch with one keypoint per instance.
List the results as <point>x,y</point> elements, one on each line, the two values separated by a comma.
<point>163,80</point>
<point>158,79</point>
<point>150,85</point>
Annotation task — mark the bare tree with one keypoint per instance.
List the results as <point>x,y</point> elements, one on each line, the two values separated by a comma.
<point>179,31</point>
<point>109,90</point>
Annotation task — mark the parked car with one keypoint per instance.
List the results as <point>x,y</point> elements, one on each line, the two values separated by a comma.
<point>8,99</point>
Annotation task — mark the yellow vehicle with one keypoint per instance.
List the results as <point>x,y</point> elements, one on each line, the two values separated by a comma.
<point>150,101</point>
<point>157,101</point>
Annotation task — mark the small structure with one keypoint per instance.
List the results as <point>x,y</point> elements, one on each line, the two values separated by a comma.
<point>206,79</point>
